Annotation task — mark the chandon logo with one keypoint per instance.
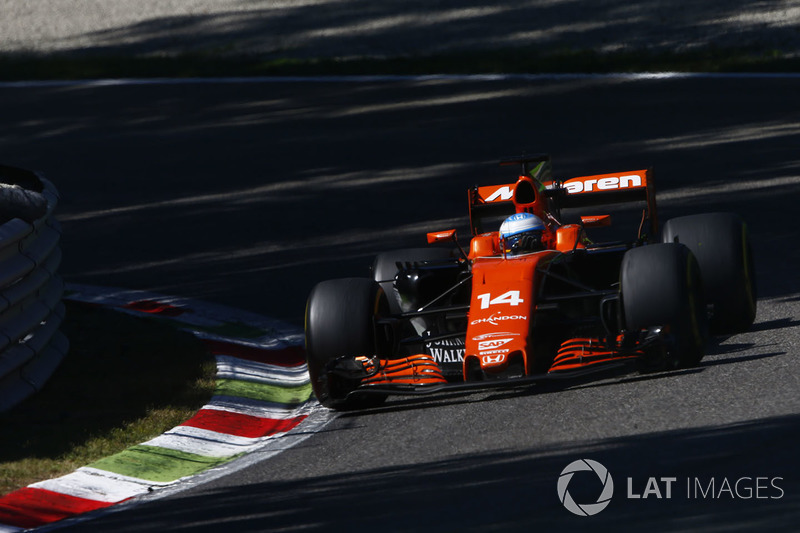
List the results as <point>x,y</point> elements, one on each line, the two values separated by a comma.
<point>585,509</point>
<point>494,319</point>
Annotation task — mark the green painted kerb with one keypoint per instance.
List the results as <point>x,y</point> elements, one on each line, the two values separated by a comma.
<point>161,465</point>
<point>263,392</point>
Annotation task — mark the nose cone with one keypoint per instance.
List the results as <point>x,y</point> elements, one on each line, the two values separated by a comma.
<point>501,310</point>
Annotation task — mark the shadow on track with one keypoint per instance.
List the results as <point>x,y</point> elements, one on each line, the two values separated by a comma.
<point>516,490</point>
<point>249,195</point>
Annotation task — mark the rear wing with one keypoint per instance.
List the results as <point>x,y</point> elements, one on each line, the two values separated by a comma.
<point>605,189</point>
<point>489,205</point>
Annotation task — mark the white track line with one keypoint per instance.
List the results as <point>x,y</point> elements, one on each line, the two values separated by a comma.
<point>621,76</point>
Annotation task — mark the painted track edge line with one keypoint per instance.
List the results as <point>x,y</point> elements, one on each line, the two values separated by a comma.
<point>624,76</point>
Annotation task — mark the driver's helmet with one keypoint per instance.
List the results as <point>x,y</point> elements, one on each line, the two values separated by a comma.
<point>520,233</point>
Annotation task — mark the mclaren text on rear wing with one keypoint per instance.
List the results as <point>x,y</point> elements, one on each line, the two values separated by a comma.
<point>613,188</point>
<point>489,204</point>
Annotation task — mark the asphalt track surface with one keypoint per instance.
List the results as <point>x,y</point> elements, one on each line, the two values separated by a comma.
<point>248,194</point>
<point>315,29</point>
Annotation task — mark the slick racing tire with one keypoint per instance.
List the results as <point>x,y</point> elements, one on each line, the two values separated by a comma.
<point>340,322</point>
<point>384,268</point>
<point>661,286</point>
<point>721,244</point>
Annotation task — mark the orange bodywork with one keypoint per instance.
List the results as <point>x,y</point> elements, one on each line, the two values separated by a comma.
<point>570,237</point>
<point>501,308</point>
<point>584,352</point>
<point>418,369</point>
<point>563,239</point>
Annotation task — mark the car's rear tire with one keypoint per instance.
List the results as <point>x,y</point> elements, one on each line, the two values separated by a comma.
<point>340,322</point>
<point>661,286</point>
<point>721,244</point>
<point>384,268</point>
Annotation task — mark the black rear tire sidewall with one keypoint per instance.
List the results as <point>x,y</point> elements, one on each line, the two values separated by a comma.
<point>721,244</point>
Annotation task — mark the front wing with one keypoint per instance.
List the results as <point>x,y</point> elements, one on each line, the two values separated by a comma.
<point>420,375</point>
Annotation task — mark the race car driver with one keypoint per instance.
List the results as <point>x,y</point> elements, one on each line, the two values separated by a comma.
<point>521,233</point>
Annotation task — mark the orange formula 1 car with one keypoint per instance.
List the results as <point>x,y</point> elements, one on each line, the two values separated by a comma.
<point>533,297</point>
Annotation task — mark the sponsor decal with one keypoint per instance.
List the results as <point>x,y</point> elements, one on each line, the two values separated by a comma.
<point>493,359</point>
<point>495,334</point>
<point>489,352</point>
<point>510,298</point>
<point>608,183</point>
<point>502,194</point>
<point>489,345</point>
<point>447,350</point>
<point>497,317</point>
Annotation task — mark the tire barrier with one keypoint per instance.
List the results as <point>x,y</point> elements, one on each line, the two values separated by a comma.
<point>262,403</point>
<point>31,311</point>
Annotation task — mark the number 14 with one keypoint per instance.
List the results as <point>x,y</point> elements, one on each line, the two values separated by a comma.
<point>510,298</point>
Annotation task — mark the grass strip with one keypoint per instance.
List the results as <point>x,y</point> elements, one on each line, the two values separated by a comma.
<point>124,381</point>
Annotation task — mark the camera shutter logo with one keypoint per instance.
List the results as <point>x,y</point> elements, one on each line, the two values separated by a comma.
<point>585,509</point>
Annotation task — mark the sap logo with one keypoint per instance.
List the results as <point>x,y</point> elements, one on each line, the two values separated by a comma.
<point>604,184</point>
<point>493,359</point>
<point>501,194</point>
<point>488,345</point>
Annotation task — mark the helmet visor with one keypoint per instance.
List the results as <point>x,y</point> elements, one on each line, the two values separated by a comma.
<point>527,241</point>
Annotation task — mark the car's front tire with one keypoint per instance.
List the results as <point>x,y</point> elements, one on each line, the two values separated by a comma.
<point>661,286</point>
<point>340,322</point>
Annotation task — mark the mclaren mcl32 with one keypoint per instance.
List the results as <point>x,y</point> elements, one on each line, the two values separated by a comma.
<point>566,303</point>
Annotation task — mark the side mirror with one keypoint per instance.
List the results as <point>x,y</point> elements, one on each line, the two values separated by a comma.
<point>447,235</point>
<point>441,236</point>
<point>596,221</point>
